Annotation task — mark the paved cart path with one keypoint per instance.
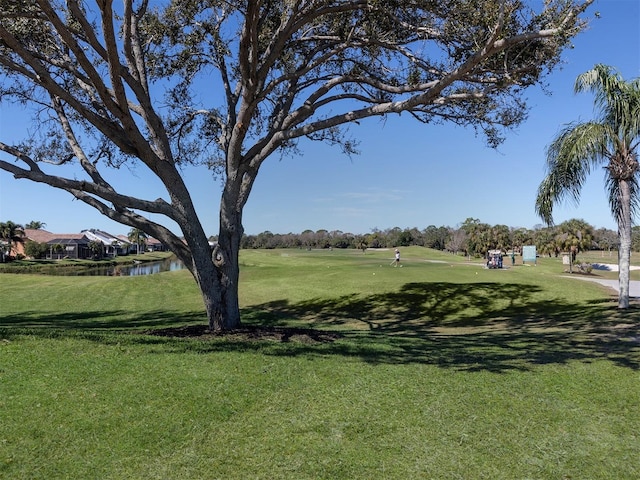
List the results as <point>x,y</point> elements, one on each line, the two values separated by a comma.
<point>634,285</point>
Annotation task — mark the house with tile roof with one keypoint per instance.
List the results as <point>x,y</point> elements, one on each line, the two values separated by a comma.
<point>154,245</point>
<point>76,245</point>
<point>61,245</point>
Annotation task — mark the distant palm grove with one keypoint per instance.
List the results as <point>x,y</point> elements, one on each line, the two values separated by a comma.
<point>472,237</point>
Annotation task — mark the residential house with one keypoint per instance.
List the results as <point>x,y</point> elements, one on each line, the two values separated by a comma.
<point>30,234</point>
<point>61,245</point>
<point>131,247</point>
<point>113,246</point>
<point>154,245</point>
<point>69,246</point>
<point>76,245</point>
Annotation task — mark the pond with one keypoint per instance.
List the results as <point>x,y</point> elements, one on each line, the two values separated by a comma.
<point>126,270</point>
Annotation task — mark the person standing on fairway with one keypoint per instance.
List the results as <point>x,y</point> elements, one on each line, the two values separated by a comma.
<point>396,262</point>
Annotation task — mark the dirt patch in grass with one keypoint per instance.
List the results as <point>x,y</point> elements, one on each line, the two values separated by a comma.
<point>250,333</point>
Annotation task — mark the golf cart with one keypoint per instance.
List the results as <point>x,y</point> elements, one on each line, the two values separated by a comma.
<point>494,259</point>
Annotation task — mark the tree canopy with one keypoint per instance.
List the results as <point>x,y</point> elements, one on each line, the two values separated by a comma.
<point>161,85</point>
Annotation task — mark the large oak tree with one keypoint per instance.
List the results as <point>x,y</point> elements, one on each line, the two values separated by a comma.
<point>229,83</point>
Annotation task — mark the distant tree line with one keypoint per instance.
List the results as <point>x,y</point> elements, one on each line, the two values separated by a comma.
<point>472,238</point>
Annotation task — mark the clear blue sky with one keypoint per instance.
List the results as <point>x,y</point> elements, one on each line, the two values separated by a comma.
<point>407,174</point>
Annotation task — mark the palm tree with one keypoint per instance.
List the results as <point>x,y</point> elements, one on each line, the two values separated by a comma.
<point>115,245</point>
<point>97,248</point>
<point>545,241</point>
<point>56,248</point>
<point>610,141</point>
<point>9,233</point>
<point>573,236</point>
<point>138,237</point>
<point>35,224</point>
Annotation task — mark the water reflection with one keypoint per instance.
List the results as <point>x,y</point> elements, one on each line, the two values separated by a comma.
<point>167,265</point>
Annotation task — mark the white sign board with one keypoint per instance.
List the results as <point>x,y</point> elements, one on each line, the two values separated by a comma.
<point>529,253</point>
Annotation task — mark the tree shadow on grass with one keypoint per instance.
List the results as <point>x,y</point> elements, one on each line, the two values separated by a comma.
<point>482,326</point>
<point>111,320</point>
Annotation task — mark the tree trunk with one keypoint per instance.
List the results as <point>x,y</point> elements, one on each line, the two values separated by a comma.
<point>624,234</point>
<point>226,314</point>
<point>217,274</point>
<point>219,285</point>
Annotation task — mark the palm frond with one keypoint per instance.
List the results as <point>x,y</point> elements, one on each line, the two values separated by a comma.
<point>613,139</point>
<point>546,198</point>
<point>634,115</point>
<point>571,156</point>
<point>615,195</point>
<point>617,101</point>
<point>606,84</point>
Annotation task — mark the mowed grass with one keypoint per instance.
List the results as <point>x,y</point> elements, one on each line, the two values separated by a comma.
<point>436,369</point>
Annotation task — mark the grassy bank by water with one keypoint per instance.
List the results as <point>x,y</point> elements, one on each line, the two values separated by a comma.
<point>436,369</point>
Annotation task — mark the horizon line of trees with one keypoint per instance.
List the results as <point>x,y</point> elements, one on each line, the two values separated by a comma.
<point>472,237</point>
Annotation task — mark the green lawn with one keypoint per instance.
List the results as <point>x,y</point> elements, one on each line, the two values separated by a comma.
<point>439,369</point>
